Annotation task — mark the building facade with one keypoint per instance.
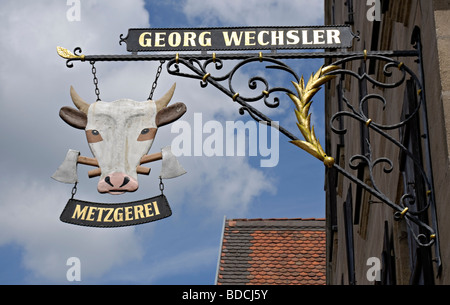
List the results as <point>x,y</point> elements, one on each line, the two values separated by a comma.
<point>389,126</point>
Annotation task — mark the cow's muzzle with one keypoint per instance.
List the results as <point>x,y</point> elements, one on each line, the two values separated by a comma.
<point>117,183</point>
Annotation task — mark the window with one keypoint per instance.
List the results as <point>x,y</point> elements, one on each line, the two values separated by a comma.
<point>414,185</point>
<point>388,258</point>
<point>349,4</point>
<point>349,242</point>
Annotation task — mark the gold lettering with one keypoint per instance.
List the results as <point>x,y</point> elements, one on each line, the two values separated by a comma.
<point>261,40</point>
<point>78,213</point>
<point>292,37</point>
<point>189,39</point>
<point>155,205</point>
<point>159,39</point>
<point>237,38</point>
<point>305,37</point>
<point>100,214</point>
<point>148,209</point>
<point>91,213</point>
<point>277,38</point>
<point>128,212</point>
<point>108,217</point>
<point>118,216</point>
<point>318,36</point>
<point>205,41</point>
<point>233,39</point>
<point>250,40</point>
<point>145,42</point>
<point>138,210</point>
<point>174,39</point>
<point>333,36</point>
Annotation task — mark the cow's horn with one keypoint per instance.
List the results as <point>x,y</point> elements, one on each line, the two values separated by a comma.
<point>164,101</point>
<point>78,101</point>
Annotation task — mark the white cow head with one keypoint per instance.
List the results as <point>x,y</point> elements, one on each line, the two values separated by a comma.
<point>120,133</point>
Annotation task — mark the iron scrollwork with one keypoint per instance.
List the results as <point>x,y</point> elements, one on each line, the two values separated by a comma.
<point>401,209</point>
<point>302,98</point>
<point>205,74</point>
<point>207,68</point>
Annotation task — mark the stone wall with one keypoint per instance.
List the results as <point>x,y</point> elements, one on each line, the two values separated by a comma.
<point>396,27</point>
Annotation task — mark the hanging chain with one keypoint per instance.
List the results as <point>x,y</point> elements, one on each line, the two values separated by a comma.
<point>155,83</point>
<point>74,190</point>
<point>161,185</point>
<point>94,72</point>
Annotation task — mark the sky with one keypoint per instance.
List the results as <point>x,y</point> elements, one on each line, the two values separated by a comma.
<point>182,249</point>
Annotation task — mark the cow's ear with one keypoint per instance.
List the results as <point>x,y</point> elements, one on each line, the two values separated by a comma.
<point>170,114</point>
<point>73,117</point>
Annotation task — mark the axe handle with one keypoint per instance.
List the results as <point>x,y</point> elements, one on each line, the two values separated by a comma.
<point>87,161</point>
<point>143,170</point>
<point>144,159</point>
<point>94,173</point>
<point>151,158</point>
<point>140,170</point>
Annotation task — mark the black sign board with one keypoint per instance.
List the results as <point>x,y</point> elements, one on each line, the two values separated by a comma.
<point>115,215</point>
<point>238,39</point>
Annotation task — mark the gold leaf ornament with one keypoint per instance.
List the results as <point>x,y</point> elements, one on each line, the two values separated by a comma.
<point>66,54</point>
<point>303,101</point>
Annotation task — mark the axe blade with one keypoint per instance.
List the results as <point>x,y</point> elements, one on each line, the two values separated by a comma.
<point>67,171</point>
<point>170,167</point>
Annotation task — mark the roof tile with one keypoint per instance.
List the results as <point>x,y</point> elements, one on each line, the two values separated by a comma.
<point>273,252</point>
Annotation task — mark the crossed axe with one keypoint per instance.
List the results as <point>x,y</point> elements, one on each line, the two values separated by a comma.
<point>67,171</point>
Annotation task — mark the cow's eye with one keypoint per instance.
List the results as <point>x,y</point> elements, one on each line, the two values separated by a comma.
<point>93,136</point>
<point>147,134</point>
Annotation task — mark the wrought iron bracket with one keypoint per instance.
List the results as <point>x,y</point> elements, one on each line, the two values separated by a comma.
<point>205,67</point>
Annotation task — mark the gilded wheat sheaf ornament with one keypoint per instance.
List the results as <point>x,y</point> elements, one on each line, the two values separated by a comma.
<point>303,102</point>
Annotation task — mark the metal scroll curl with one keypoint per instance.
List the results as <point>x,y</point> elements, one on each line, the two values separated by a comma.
<point>303,99</point>
<point>259,85</point>
<point>209,72</point>
<point>395,74</point>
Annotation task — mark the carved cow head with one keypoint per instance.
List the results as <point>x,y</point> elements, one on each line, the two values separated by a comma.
<point>119,133</point>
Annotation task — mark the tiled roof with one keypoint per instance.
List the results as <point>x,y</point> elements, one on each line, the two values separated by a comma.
<point>273,252</point>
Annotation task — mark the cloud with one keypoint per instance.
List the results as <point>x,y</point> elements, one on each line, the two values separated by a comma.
<point>30,218</point>
<point>232,191</point>
<point>254,12</point>
<point>183,263</point>
<point>34,85</point>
